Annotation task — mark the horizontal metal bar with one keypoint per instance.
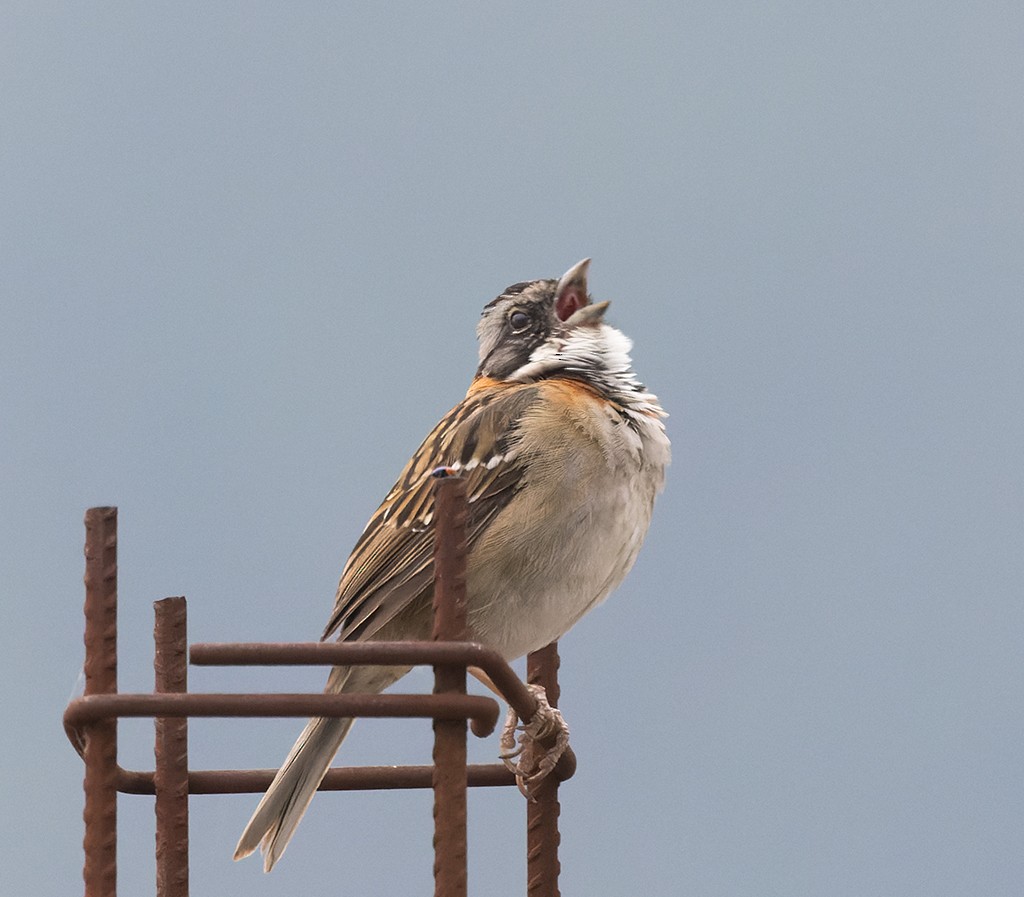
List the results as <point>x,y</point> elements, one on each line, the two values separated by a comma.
<point>470,654</point>
<point>411,653</point>
<point>352,778</point>
<point>483,712</point>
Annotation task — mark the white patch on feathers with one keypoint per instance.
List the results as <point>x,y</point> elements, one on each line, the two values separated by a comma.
<point>600,354</point>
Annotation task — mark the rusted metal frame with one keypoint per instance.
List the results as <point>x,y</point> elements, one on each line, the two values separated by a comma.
<point>542,811</point>
<point>91,721</point>
<point>98,744</point>
<point>450,773</point>
<point>170,777</point>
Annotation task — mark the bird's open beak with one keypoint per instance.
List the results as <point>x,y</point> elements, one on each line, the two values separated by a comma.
<point>589,314</point>
<point>571,292</point>
<point>572,304</point>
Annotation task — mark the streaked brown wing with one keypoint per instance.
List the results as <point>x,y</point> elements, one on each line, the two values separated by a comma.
<point>392,564</point>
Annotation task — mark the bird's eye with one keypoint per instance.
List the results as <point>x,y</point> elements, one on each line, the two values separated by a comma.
<point>519,320</point>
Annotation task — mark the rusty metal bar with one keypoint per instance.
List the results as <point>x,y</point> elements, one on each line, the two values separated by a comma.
<point>472,654</point>
<point>351,778</point>
<point>83,711</point>
<point>450,862</point>
<point>170,777</point>
<point>100,741</point>
<point>457,652</point>
<point>542,835</point>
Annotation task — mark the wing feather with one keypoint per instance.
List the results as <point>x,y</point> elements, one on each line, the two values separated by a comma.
<point>392,564</point>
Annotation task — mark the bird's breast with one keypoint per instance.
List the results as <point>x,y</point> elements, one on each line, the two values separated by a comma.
<point>575,525</point>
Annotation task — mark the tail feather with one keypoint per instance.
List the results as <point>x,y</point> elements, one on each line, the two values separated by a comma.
<point>282,807</point>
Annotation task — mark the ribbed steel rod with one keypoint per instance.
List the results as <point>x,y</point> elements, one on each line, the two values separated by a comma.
<point>100,741</point>
<point>387,653</point>
<point>542,835</point>
<point>450,874</point>
<point>91,709</point>
<point>170,777</point>
<point>352,778</point>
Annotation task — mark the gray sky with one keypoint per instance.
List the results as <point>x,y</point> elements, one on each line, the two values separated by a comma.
<point>244,249</point>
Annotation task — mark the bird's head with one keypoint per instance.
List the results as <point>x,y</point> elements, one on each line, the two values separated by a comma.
<point>531,315</point>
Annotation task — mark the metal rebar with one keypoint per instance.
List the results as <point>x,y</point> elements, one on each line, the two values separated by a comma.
<point>474,654</point>
<point>91,709</point>
<point>450,876</point>
<point>100,740</point>
<point>413,653</point>
<point>170,776</point>
<point>542,835</point>
<point>352,778</point>
<point>91,721</point>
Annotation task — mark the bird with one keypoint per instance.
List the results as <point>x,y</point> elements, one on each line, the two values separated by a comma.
<point>562,450</point>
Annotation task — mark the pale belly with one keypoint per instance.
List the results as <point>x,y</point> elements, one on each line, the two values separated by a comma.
<point>537,572</point>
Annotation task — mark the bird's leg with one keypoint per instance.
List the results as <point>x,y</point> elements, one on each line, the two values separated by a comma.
<point>508,733</point>
<point>546,735</point>
<point>508,739</point>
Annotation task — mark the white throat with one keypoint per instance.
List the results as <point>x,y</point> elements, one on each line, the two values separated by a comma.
<point>599,355</point>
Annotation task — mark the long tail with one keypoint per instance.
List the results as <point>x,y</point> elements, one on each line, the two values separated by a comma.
<point>273,824</point>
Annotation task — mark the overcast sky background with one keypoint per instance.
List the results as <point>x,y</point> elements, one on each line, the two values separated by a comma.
<point>244,249</point>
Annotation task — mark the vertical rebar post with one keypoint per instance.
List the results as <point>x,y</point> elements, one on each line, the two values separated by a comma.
<point>170,778</point>
<point>449,777</point>
<point>542,835</point>
<point>100,750</point>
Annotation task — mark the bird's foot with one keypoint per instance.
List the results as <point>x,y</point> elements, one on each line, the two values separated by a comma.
<point>542,741</point>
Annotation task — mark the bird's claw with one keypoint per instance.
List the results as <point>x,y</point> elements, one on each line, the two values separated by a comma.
<point>546,733</point>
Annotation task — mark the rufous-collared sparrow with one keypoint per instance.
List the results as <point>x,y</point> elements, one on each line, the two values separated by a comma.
<point>562,451</point>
